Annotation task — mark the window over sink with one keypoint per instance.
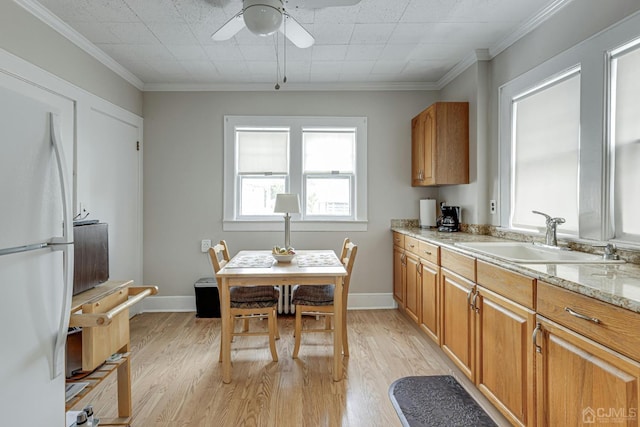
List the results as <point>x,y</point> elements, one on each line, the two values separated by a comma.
<point>570,140</point>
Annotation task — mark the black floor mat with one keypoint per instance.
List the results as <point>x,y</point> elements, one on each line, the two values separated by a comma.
<point>437,400</point>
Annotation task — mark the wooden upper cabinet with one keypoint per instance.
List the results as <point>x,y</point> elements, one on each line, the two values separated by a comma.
<point>440,145</point>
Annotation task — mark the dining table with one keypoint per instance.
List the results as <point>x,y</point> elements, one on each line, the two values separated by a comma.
<point>259,267</point>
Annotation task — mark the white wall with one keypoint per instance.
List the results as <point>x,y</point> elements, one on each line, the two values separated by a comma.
<point>183,179</point>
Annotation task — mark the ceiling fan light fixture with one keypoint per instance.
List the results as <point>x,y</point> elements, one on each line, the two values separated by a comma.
<point>262,17</point>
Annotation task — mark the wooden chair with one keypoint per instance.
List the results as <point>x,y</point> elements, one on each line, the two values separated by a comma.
<point>318,300</point>
<point>248,302</point>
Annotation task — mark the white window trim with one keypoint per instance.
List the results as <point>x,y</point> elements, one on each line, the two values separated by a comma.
<point>296,123</point>
<point>609,215</point>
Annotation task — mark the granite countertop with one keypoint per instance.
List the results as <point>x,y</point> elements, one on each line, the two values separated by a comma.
<point>617,284</point>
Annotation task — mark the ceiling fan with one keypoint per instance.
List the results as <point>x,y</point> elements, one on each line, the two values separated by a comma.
<point>265,17</point>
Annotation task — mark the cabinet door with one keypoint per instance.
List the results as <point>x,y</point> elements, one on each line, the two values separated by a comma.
<point>417,150</point>
<point>399,272</point>
<point>505,358</point>
<point>412,290</point>
<point>457,320</point>
<point>581,382</point>
<point>429,321</point>
<point>429,146</point>
<point>423,135</point>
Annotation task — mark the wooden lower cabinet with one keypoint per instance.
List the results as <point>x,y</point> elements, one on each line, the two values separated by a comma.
<point>412,288</point>
<point>399,273</point>
<point>457,324</point>
<point>580,382</point>
<point>429,298</point>
<point>504,368</point>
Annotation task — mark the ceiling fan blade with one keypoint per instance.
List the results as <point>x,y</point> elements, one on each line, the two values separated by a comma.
<point>318,4</point>
<point>296,32</point>
<point>230,28</point>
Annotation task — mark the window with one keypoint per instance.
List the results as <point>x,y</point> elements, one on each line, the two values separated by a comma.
<point>323,159</point>
<point>624,141</point>
<point>545,153</point>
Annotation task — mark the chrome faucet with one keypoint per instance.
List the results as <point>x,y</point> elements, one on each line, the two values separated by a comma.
<point>552,223</point>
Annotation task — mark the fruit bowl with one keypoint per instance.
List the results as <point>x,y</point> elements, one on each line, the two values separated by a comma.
<point>283,257</point>
<point>283,254</point>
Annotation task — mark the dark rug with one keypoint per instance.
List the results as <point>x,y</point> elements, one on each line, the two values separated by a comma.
<point>437,400</point>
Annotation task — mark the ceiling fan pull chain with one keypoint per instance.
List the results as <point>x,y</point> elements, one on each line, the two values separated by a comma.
<point>284,44</point>
<point>277,86</point>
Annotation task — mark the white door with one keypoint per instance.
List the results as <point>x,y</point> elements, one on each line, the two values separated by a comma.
<point>109,185</point>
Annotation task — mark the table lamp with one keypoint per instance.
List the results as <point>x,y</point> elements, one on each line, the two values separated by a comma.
<point>287,204</point>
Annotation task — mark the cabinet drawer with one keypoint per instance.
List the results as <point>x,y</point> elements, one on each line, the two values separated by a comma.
<point>398,239</point>
<point>463,265</point>
<point>412,244</point>
<point>615,327</point>
<point>514,286</point>
<point>429,252</point>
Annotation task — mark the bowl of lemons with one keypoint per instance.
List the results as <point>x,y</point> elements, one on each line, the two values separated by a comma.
<point>281,254</point>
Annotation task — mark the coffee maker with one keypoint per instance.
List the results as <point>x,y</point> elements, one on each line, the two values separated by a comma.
<point>450,219</point>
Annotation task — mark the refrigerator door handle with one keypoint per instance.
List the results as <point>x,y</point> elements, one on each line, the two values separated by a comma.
<point>25,248</point>
<point>63,243</point>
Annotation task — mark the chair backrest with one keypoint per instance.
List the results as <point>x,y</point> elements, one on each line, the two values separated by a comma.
<point>348,257</point>
<point>219,257</point>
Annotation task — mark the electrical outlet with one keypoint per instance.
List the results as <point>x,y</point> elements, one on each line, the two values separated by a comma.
<point>492,206</point>
<point>205,244</point>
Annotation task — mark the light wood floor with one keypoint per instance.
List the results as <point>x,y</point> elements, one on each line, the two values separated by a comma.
<point>177,380</point>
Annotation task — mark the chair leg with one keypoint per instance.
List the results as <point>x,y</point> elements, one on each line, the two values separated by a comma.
<point>273,327</point>
<point>297,332</point>
<point>345,338</point>
<point>275,316</point>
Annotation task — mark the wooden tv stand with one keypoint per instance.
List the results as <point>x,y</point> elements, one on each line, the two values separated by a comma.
<point>103,314</point>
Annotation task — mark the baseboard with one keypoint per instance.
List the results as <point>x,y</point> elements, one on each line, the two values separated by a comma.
<point>188,303</point>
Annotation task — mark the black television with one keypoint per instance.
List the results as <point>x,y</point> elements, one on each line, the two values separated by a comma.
<point>91,255</point>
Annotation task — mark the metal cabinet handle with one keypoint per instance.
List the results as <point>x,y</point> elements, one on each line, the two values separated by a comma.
<point>582,316</point>
<point>469,297</point>
<point>419,268</point>
<point>473,302</point>
<point>534,337</point>
<point>426,252</point>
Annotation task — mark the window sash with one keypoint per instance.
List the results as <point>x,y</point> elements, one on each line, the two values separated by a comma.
<point>328,213</point>
<point>624,148</point>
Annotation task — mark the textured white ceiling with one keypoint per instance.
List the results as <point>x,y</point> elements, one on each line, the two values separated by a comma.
<point>376,42</point>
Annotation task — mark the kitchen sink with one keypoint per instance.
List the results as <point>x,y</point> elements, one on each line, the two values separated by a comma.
<point>531,253</point>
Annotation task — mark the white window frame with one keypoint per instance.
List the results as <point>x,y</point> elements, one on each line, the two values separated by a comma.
<point>295,182</point>
<point>609,216</point>
<point>537,88</point>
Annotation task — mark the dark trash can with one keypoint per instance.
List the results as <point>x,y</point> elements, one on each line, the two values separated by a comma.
<point>207,298</point>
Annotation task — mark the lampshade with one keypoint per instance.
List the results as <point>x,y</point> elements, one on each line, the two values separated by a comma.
<point>262,17</point>
<point>287,203</point>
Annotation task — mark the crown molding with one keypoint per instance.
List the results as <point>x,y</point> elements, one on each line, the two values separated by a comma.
<point>288,87</point>
<point>495,50</point>
<point>528,26</point>
<point>42,13</point>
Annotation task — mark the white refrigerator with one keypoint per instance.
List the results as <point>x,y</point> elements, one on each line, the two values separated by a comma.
<point>36,251</point>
